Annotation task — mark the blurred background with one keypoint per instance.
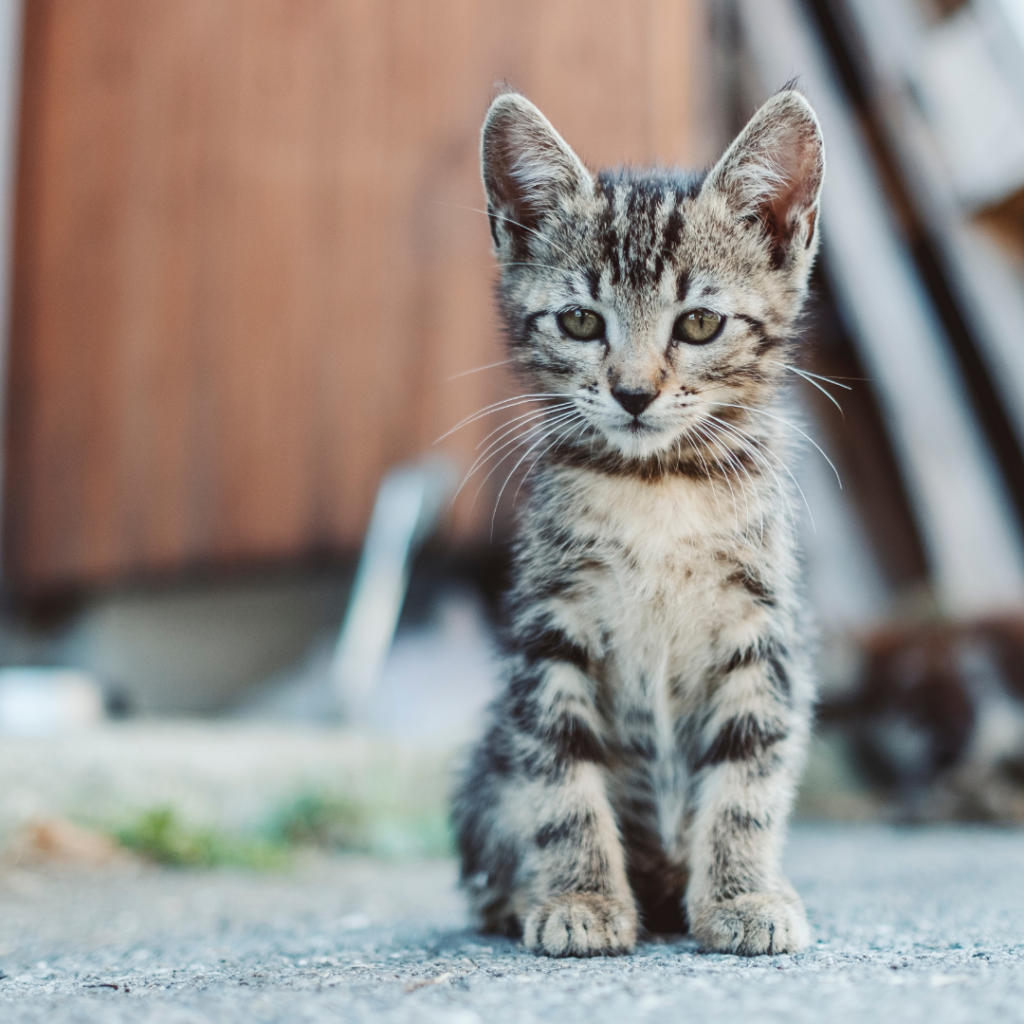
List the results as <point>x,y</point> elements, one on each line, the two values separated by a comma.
<point>246,287</point>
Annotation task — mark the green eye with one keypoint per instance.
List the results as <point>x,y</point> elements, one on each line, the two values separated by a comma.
<point>582,324</point>
<point>698,327</point>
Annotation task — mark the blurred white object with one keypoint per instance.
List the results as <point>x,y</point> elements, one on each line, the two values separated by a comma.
<point>435,681</point>
<point>438,677</point>
<point>47,701</point>
<point>406,512</point>
<point>973,110</point>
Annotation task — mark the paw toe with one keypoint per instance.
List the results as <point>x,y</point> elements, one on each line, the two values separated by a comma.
<point>753,924</point>
<point>581,925</point>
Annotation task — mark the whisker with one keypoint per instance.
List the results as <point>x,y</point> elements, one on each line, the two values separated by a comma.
<point>703,461</point>
<point>542,413</point>
<point>496,447</point>
<point>734,458</point>
<point>784,466</point>
<point>478,369</point>
<point>759,444</point>
<point>814,384</point>
<point>509,220</point>
<point>725,474</point>
<point>516,419</point>
<point>540,429</point>
<point>530,263</point>
<point>502,406</point>
<point>818,376</point>
<point>721,427</point>
<point>557,441</point>
<point>517,432</point>
<point>512,472</point>
<point>792,426</point>
<point>730,459</point>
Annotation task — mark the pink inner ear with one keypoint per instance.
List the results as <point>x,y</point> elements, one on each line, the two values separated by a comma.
<point>799,165</point>
<point>526,163</point>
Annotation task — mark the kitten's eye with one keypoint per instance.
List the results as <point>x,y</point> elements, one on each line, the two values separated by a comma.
<point>697,327</point>
<point>582,324</point>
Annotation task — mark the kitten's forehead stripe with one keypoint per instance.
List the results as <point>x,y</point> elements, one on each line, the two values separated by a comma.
<point>641,223</point>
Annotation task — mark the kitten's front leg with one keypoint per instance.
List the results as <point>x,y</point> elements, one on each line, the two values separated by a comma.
<point>738,900</point>
<point>574,898</point>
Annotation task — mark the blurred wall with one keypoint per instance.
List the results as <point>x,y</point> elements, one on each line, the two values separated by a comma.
<point>247,263</point>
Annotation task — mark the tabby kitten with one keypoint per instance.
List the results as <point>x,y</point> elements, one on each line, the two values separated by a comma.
<point>640,765</point>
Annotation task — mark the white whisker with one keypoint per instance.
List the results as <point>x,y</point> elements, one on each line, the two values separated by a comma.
<point>517,432</point>
<point>479,369</point>
<point>707,471</point>
<point>502,406</point>
<point>818,376</point>
<point>784,466</point>
<point>515,419</point>
<point>792,426</point>
<point>814,384</point>
<point>526,227</point>
<point>496,447</point>
<point>539,432</point>
<point>700,428</point>
<point>733,457</point>
<point>573,426</point>
<point>512,472</point>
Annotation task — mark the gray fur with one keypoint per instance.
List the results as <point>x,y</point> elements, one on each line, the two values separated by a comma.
<point>639,767</point>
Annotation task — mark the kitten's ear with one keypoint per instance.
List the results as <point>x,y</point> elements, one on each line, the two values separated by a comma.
<point>773,172</point>
<point>527,166</point>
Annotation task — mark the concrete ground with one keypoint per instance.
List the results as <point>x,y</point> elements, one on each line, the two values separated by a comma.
<point>909,925</point>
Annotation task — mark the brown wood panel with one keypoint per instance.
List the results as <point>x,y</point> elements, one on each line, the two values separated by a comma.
<point>246,268</point>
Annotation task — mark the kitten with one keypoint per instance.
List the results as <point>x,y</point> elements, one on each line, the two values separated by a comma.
<point>639,767</point>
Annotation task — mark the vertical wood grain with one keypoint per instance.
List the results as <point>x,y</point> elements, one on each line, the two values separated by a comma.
<point>247,261</point>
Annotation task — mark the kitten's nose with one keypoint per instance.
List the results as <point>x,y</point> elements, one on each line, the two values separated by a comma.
<point>634,402</point>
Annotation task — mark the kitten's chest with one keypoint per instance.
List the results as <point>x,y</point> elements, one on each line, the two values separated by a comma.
<point>668,557</point>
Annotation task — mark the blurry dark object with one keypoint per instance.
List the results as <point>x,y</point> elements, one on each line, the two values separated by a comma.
<point>860,444</point>
<point>937,719</point>
<point>1005,222</point>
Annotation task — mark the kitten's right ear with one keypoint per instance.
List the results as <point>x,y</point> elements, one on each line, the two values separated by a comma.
<point>773,173</point>
<point>527,167</point>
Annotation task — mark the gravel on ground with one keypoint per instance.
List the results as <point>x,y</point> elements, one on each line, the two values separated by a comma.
<point>910,925</point>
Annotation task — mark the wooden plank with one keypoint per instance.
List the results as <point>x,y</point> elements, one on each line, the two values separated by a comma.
<point>971,539</point>
<point>986,277</point>
<point>247,262</point>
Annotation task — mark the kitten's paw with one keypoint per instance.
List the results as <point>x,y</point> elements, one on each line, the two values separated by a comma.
<point>581,924</point>
<point>753,924</point>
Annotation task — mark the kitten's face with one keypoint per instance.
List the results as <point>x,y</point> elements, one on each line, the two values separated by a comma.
<point>652,304</point>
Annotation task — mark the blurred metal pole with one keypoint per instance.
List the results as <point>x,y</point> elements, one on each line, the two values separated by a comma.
<point>407,510</point>
<point>972,542</point>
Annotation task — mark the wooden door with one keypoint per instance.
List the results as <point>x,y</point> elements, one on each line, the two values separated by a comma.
<point>247,261</point>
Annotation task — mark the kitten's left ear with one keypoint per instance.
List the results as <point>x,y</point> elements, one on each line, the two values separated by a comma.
<point>527,166</point>
<point>773,172</point>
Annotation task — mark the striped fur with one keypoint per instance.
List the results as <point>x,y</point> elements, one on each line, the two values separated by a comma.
<point>639,767</point>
